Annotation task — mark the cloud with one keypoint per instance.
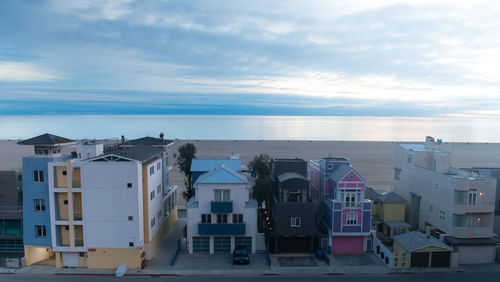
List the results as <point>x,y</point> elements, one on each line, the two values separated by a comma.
<point>25,72</point>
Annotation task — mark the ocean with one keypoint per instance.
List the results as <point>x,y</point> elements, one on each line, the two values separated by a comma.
<point>228,127</point>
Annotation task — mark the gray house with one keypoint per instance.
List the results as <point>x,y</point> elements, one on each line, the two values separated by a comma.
<point>293,214</point>
<point>11,214</point>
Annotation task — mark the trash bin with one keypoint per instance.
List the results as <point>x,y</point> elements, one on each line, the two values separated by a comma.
<point>320,254</point>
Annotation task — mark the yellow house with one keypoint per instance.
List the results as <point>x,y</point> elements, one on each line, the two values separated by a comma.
<point>388,214</point>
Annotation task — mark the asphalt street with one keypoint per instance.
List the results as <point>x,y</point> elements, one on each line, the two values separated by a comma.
<point>428,277</point>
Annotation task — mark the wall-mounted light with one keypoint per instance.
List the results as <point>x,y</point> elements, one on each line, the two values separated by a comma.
<point>480,193</point>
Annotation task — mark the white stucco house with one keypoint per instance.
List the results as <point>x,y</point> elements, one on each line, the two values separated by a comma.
<point>455,205</point>
<point>222,214</point>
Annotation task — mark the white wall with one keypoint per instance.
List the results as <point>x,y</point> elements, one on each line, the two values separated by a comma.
<point>239,195</point>
<point>107,203</point>
<point>437,190</point>
<point>156,204</point>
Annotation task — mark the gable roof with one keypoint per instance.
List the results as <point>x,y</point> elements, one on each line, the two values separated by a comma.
<point>210,164</point>
<point>385,197</point>
<point>142,153</point>
<point>391,197</point>
<point>148,141</point>
<point>45,139</point>
<point>417,240</point>
<point>340,171</point>
<point>222,175</point>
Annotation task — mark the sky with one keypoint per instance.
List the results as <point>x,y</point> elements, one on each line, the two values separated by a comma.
<point>346,58</point>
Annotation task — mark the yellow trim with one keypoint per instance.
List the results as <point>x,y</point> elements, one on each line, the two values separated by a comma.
<point>59,262</point>
<point>61,180</point>
<point>162,232</point>
<point>145,201</point>
<point>111,258</point>
<point>69,183</point>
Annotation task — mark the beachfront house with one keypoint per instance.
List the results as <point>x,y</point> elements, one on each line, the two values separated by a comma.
<point>109,207</point>
<point>344,213</point>
<point>11,215</point>
<point>37,235</point>
<point>388,214</point>
<point>454,205</point>
<point>222,214</point>
<point>292,211</point>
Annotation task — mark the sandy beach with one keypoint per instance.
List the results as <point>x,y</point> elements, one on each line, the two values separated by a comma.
<point>373,160</point>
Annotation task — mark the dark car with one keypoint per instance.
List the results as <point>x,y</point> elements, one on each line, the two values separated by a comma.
<point>240,255</point>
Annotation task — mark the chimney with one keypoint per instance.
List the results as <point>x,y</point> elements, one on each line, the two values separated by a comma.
<point>429,142</point>
<point>162,136</point>
<point>123,139</point>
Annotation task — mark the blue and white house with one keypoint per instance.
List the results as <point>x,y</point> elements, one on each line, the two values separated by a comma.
<point>36,209</point>
<point>222,214</point>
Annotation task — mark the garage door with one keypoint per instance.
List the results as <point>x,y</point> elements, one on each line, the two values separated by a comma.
<point>440,259</point>
<point>222,245</point>
<point>294,245</point>
<point>476,254</point>
<point>347,244</point>
<point>201,244</point>
<point>420,259</point>
<point>244,241</point>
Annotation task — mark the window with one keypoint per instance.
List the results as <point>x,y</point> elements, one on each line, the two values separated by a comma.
<point>46,152</point>
<point>398,231</point>
<point>221,195</point>
<point>472,197</point>
<point>152,170</point>
<point>295,221</point>
<point>152,195</point>
<point>66,227</point>
<point>329,166</point>
<point>431,209</point>
<point>237,218</point>
<point>471,222</point>
<point>158,166</point>
<point>40,231</point>
<point>130,244</point>
<point>434,164</point>
<point>38,176</point>
<point>130,217</point>
<point>221,218</point>
<point>158,189</point>
<point>442,215</point>
<point>65,202</point>
<point>129,185</point>
<point>350,198</point>
<point>352,219</point>
<point>375,202</point>
<point>39,205</point>
<point>206,218</point>
<point>397,173</point>
<point>410,159</point>
<point>64,172</point>
<point>153,222</point>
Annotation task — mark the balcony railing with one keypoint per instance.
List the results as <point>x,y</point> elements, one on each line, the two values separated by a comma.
<point>79,242</point>
<point>77,215</point>
<point>221,229</point>
<point>222,207</point>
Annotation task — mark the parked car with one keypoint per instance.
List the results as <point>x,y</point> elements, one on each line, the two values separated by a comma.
<point>240,255</point>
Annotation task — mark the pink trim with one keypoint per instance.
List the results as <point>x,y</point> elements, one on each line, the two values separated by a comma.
<point>351,185</point>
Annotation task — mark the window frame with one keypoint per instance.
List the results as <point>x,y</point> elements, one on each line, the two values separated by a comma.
<point>295,221</point>
<point>41,204</point>
<point>40,231</point>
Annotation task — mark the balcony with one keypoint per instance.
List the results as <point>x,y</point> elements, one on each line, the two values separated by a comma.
<point>221,229</point>
<point>222,207</point>
<point>76,183</point>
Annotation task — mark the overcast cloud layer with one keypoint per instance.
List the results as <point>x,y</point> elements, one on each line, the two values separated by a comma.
<point>387,58</point>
